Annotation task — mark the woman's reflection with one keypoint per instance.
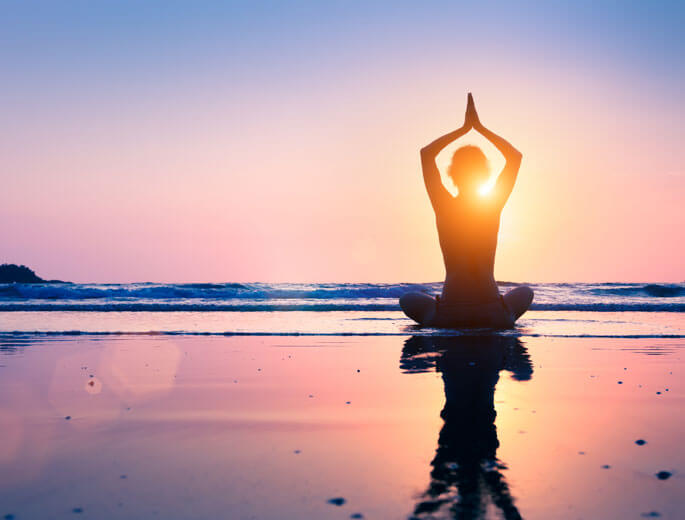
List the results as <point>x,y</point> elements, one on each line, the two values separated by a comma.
<point>466,477</point>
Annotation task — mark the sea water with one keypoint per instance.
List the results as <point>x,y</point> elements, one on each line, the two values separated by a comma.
<point>559,309</point>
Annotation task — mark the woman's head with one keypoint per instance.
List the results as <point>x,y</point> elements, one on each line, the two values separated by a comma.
<point>469,169</point>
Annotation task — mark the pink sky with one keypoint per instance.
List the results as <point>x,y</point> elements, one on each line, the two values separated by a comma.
<point>312,173</point>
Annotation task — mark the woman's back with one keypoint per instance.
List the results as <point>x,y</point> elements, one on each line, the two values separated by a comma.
<point>468,239</point>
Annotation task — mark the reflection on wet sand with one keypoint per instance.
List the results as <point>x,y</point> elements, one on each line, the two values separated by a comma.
<point>213,427</point>
<point>466,476</point>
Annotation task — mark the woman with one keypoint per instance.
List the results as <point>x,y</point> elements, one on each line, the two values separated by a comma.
<point>467,228</point>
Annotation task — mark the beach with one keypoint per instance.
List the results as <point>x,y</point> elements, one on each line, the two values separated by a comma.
<point>347,415</point>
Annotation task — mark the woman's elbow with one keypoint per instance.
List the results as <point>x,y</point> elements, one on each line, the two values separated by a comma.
<point>426,153</point>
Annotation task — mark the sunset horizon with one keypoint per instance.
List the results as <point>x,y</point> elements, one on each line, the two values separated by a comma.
<point>173,144</point>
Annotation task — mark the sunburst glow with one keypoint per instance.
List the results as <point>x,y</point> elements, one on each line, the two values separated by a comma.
<point>486,188</point>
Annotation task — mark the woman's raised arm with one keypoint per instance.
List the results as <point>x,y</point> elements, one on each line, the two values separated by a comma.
<point>507,178</point>
<point>437,192</point>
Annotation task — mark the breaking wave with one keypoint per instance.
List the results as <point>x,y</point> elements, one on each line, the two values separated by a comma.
<point>264,297</point>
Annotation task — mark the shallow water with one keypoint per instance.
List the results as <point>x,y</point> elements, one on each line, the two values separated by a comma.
<point>489,426</point>
<point>533,323</point>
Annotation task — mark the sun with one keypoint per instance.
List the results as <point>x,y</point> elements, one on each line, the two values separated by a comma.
<point>486,189</point>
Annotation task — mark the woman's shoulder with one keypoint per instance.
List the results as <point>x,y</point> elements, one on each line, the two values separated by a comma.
<point>482,207</point>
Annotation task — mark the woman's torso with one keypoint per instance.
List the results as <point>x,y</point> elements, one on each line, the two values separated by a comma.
<point>468,239</point>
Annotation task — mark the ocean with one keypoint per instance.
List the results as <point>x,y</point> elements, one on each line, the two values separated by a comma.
<point>565,309</point>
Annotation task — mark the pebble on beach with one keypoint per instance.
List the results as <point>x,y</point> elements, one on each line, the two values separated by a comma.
<point>663,475</point>
<point>640,442</point>
<point>606,466</point>
<point>337,501</point>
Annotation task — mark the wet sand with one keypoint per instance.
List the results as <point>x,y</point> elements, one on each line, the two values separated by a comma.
<point>329,427</point>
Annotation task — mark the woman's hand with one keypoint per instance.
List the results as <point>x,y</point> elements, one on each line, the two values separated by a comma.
<point>471,120</point>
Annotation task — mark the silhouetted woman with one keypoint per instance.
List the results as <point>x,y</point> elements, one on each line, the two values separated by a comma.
<point>467,228</point>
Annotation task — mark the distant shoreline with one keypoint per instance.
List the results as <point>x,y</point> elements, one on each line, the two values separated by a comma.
<point>13,273</point>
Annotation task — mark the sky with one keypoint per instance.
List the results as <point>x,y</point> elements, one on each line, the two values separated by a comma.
<point>279,141</point>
